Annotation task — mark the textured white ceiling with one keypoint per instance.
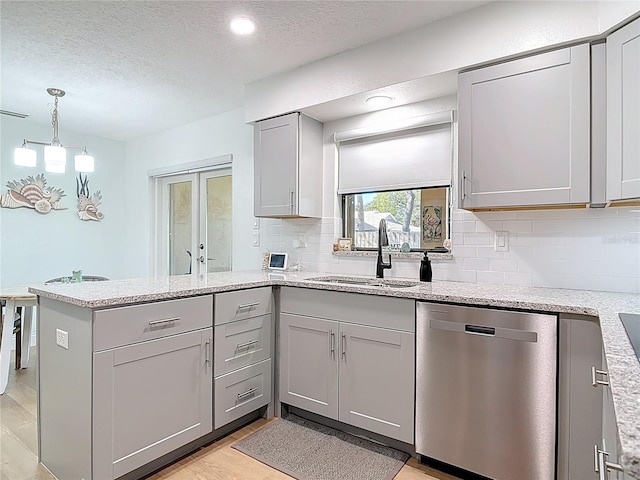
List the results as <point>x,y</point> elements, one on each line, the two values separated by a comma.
<point>131,68</point>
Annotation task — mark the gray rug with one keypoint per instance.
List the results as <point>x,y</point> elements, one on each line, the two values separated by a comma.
<point>308,451</point>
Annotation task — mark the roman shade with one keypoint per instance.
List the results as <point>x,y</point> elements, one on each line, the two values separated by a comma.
<point>416,156</point>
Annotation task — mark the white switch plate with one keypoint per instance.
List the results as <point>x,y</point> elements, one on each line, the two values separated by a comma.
<point>62,338</point>
<point>502,242</point>
<point>256,239</point>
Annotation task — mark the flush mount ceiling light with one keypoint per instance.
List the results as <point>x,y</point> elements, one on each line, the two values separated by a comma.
<point>242,26</point>
<point>55,154</point>
<point>378,101</point>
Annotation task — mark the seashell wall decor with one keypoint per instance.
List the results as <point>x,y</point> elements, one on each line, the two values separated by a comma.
<point>32,193</point>
<point>87,203</point>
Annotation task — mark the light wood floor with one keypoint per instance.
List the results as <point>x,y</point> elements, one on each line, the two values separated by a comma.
<point>218,461</point>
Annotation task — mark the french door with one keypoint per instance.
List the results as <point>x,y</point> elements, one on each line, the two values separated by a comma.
<point>194,223</point>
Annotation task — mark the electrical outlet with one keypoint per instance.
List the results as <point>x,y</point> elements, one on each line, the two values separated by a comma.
<point>62,338</point>
<point>256,239</point>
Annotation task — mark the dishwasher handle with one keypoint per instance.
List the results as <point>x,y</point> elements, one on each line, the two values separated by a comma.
<point>484,331</point>
<point>479,330</point>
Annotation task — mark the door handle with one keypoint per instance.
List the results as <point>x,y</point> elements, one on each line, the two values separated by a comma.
<point>603,467</point>
<point>344,346</point>
<point>207,360</point>
<point>292,201</point>
<point>332,343</point>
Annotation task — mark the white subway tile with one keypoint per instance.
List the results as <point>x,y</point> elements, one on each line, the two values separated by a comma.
<point>477,239</point>
<point>464,250</point>
<point>518,226</point>
<point>518,278</point>
<point>463,227</point>
<point>489,226</point>
<point>493,278</point>
<point>488,251</point>
<point>503,265</point>
<point>475,264</point>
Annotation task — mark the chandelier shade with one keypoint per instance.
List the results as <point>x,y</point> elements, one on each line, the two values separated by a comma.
<point>24,156</point>
<point>55,154</point>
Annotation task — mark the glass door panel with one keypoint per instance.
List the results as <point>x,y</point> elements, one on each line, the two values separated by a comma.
<point>180,228</point>
<point>216,215</point>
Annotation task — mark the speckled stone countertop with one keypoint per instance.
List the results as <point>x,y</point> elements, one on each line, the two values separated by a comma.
<point>622,363</point>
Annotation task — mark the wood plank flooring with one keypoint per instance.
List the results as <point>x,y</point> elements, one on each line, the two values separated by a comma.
<point>218,461</point>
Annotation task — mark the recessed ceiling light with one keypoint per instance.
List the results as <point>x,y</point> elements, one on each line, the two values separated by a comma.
<point>378,101</point>
<point>242,26</point>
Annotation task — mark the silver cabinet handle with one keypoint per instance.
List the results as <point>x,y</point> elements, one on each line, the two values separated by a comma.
<point>155,323</point>
<point>240,346</point>
<point>344,345</point>
<point>603,467</point>
<point>245,306</point>
<point>207,360</point>
<point>594,380</point>
<point>292,200</point>
<point>248,393</point>
<point>332,343</point>
<point>464,184</point>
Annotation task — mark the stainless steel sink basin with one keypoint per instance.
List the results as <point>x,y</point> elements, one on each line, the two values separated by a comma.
<point>365,282</point>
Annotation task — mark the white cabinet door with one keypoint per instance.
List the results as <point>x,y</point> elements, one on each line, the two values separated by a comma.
<point>523,132</point>
<point>276,166</point>
<point>623,113</point>
<point>149,399</point>
<point>377,380</point>
<point>308,366</point>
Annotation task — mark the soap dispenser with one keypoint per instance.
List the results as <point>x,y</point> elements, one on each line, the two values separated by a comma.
<point>425,269</point>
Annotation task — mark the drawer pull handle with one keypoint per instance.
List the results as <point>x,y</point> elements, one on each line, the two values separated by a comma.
<point>250,344</point>
<point>246,306</point>
<point>206,351</point>
<point>155,323</point>
<point>594,380</point>
<point>248,393</point>
<point>603,467</point>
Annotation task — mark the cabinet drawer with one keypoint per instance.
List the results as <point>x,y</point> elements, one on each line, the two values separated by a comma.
<point>241,343</point>
<point>126,325</point>
<point>241,392</point>
<point>232,306</point>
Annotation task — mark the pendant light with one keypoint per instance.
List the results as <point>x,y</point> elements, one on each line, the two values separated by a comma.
<point>55,154</point>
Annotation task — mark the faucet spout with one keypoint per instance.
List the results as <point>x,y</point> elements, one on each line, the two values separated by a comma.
<point>383,240</point>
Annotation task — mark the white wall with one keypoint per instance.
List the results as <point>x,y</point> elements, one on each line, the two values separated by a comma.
<point>34,247</point>
<point>211,137</point>
<point>492,31</point>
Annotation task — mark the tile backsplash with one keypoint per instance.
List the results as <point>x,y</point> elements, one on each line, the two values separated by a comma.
<point>591,249</point>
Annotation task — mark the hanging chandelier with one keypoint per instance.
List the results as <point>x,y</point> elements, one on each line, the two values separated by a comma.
<point>55,154</point>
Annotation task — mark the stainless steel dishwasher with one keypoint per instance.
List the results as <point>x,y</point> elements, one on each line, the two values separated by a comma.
<point>486,390</point>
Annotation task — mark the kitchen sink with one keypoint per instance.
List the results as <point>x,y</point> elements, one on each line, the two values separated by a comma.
<point>365,282</point>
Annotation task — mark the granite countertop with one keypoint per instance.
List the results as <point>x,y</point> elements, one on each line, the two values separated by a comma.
<point>622,363</point>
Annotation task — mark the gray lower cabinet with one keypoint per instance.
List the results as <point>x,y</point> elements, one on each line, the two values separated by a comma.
<point>523,133</point>
<point>623,113</point>
<point>607,452</point>
<point>150,398</point>
<point>350,358</point>
<point>134,383</point>
<point>242,359</point>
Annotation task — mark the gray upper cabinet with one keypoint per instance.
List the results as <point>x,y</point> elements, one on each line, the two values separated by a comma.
<point>524,137</point>
<point>288,167</point>
<point>623,113</point>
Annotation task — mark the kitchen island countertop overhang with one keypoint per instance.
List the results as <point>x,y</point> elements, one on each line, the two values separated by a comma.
<point>623,365</point>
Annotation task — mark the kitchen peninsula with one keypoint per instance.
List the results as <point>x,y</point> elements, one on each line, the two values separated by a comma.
<point>83,314</point>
